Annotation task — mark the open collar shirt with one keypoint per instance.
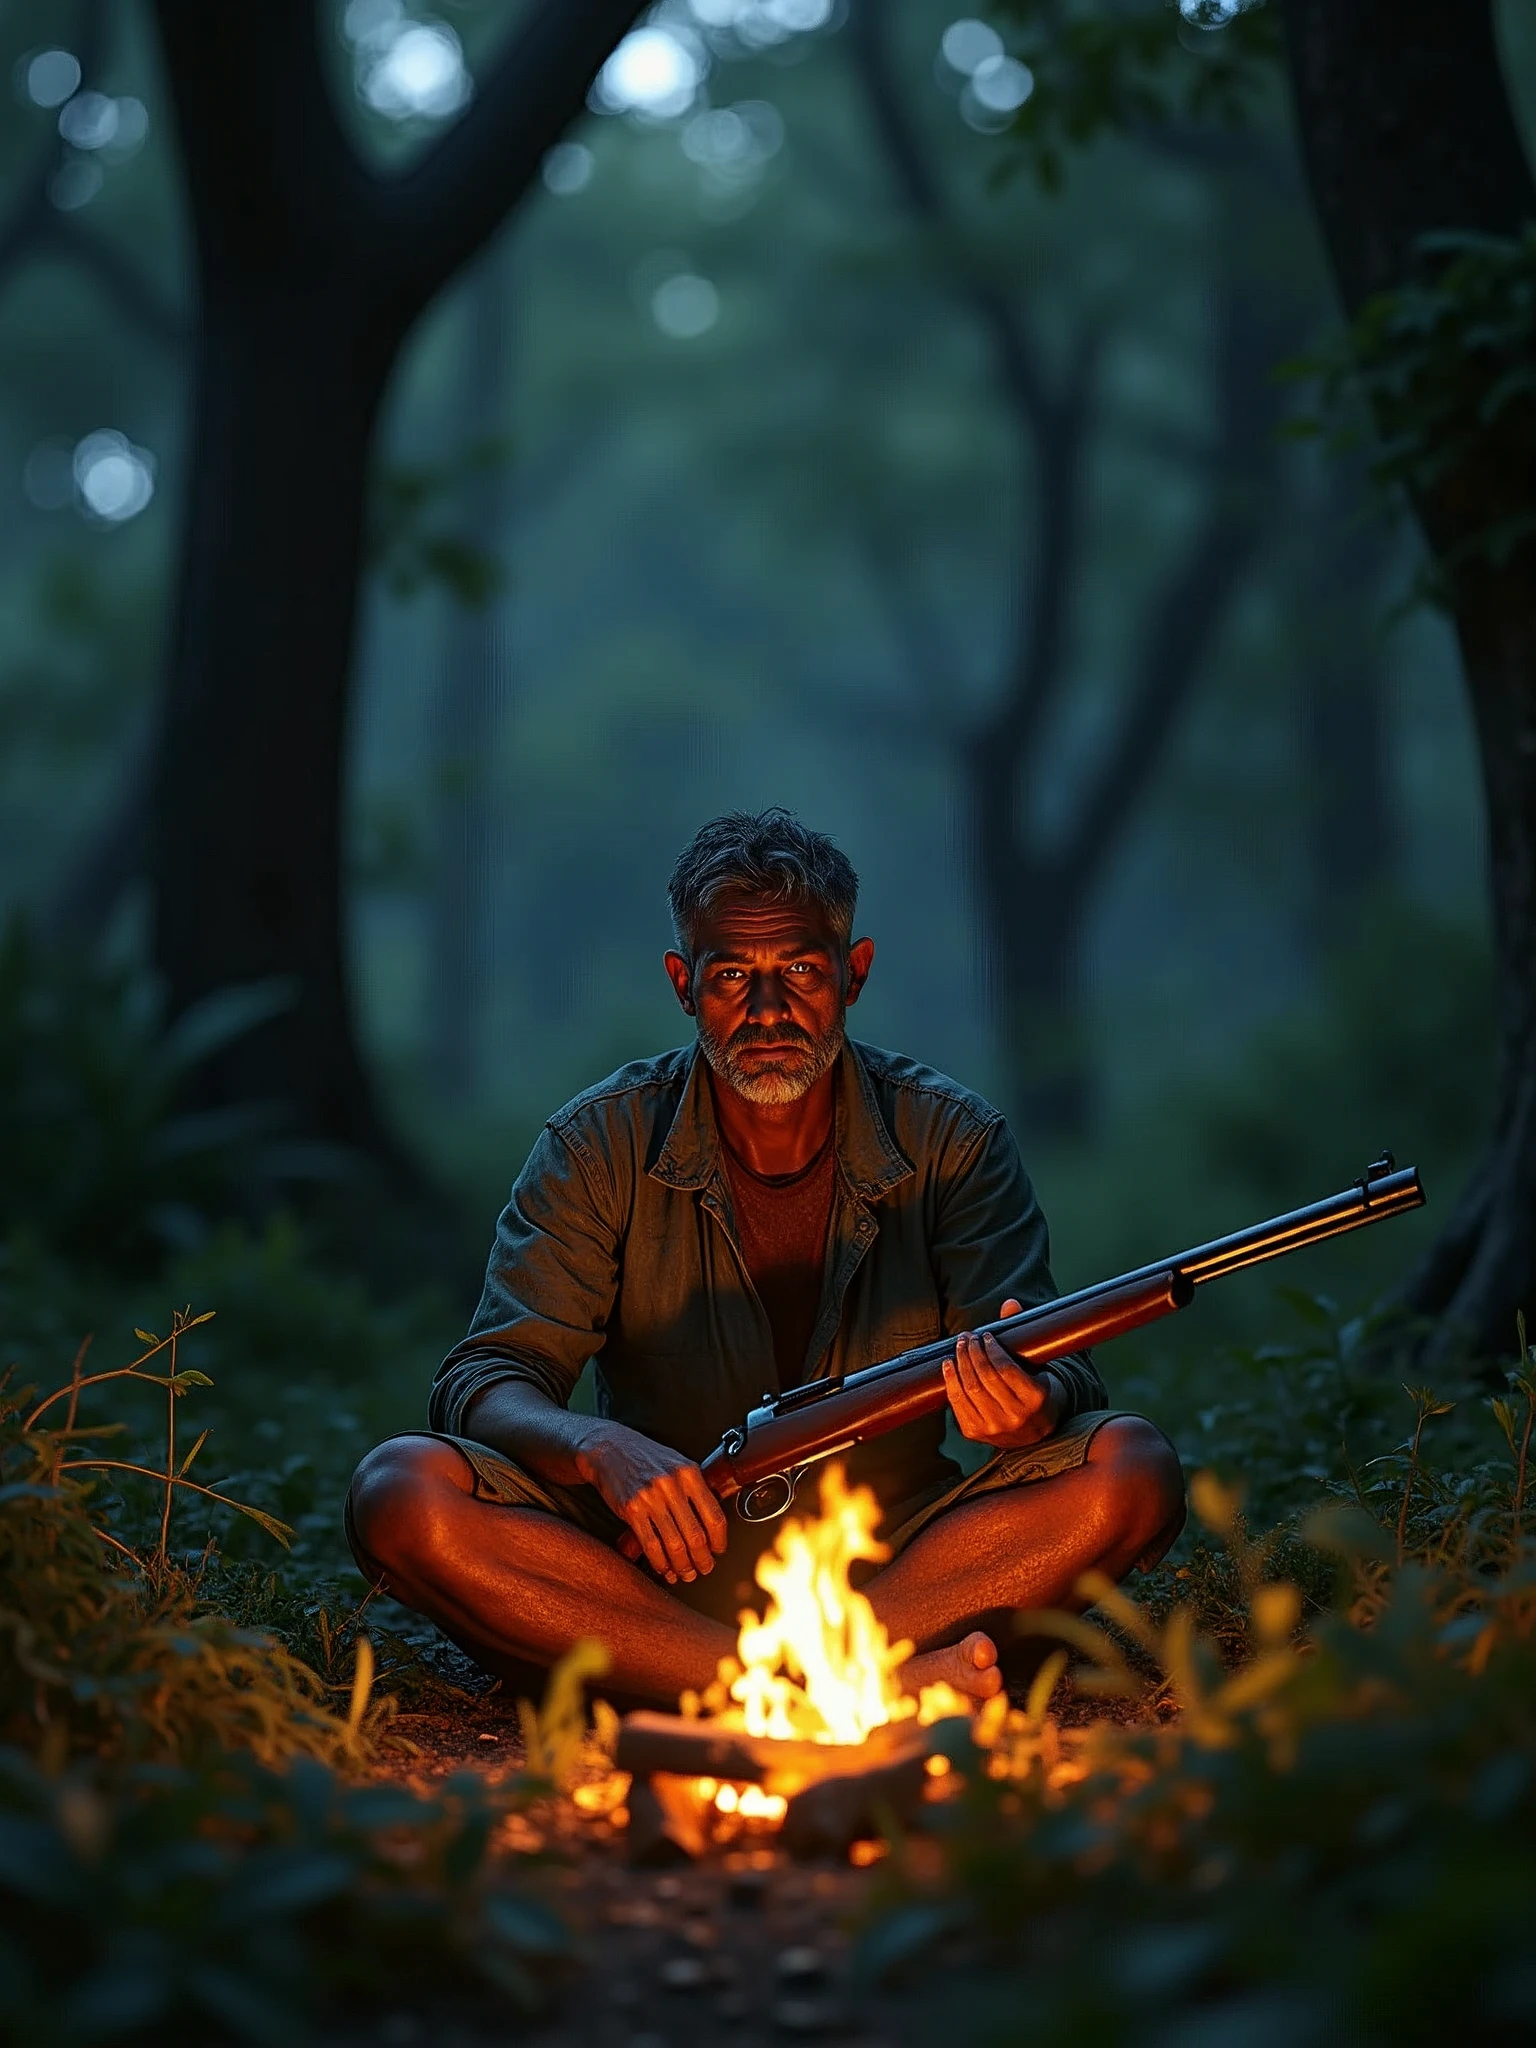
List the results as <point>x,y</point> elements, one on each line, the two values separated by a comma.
<point>619,1245</point>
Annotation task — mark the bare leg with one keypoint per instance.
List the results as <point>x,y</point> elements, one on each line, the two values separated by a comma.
<point>513,1585</point>
<point>952,1590</point>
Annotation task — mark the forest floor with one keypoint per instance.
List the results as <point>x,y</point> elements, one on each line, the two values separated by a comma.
<point>745,1948</point>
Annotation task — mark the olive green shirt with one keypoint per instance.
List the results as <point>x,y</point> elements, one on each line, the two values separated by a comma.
<point>619,1245</point>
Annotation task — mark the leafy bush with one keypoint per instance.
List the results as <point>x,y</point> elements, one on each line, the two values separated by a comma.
<point>1332,1841</point>
<point>226,1904</point>
<point>100,1164</point>
<point>110,1652</point>
<point>178,1846</point>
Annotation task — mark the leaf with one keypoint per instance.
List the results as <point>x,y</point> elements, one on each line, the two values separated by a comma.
<point>280,1531</point>
<point>1043,1685</point>
<point>1216,1505</point>
<point>526,1926</point>
<point>186,1463</point>
<point>362,1684</point>
<point>285,1881</point>
<point>900,1939</point>
<point>220,1019</point>
<point>146,1336</point>
<point>1275,1609</point>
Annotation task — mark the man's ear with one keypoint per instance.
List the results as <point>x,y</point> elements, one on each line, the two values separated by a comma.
<point>680,974</point>
<point>861,957</point>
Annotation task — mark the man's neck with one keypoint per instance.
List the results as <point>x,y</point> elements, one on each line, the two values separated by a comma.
<point>775,1138</point>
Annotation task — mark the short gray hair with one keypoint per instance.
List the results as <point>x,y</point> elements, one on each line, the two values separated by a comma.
<point>767,854</point>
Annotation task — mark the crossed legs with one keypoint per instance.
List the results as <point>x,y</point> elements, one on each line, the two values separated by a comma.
<point>516,1586</point>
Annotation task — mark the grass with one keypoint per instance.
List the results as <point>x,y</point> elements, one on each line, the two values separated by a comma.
<point>193,1836</point>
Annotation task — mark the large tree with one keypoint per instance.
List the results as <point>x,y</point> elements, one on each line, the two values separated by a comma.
<point>1408,134</point>
<point>312,267</point>
<point>1036,882</point>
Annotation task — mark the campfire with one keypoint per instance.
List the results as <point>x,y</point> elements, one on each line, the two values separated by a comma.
<point>806,1732</point>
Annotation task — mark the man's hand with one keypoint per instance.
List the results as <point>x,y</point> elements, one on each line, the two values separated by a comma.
<point>996,1401</point>
<point>663,1496</point>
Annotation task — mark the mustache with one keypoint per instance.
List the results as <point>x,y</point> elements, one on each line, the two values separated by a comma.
<point>760,1034</point>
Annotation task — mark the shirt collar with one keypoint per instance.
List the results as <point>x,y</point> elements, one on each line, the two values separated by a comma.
<point>871,1161</point>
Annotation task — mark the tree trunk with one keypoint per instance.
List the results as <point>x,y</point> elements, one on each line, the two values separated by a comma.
<point>312,270</point>
<point>1350,822</point>
<point>469,705</point>
<point>248,830</point>
<point>1407,129</point>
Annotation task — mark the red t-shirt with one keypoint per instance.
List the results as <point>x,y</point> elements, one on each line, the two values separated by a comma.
<point>781,1226</point>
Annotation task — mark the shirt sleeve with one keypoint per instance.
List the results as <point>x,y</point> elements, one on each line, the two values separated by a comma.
<point>549,1288</point>
<point>992,1243</point>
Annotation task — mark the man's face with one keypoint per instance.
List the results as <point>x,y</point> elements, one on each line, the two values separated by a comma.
<point>768,985</point>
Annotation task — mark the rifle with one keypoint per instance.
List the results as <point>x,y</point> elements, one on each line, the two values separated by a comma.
<point>760,1462</point>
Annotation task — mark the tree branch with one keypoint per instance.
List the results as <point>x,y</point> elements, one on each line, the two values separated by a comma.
<point>1194,601</point>
<point>1038,669</point>
<point>438,212</point>
<point>869,35</point>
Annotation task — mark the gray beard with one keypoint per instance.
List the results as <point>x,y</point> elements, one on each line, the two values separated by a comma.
<point>812,1058</point>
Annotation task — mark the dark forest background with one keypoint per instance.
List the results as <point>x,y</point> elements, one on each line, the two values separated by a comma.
<point>430,486</point>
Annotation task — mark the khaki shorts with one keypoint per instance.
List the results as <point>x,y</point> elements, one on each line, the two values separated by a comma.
<point>729,1586</point>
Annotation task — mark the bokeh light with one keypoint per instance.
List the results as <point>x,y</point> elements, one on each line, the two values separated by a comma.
<point>968,42</point>
<point>1002,84</point>
<point>89,120</point>
<point>1210,13</point>
<point>685,306</point>
<point>657,72</point>
<point>51,77</point>
<point>115,480</point>
<point>734,141</point>
<point>568,169</point>
<point>421,74</point>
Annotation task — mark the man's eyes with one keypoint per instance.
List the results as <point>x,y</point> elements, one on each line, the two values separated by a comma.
<point>801,968</point>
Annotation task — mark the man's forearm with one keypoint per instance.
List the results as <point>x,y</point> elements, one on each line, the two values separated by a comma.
<point>526,1425</point>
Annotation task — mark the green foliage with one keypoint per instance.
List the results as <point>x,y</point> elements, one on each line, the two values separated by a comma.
<point>1332,1841</point>
<point>230,1903</point>
<point>1400,1036</point>
<point>413,546</point>
<point>1111,70</point>
<point>178,1848</point>
<point>100,1164</point>
<point>116,1653</point>
<point>1446,366</point>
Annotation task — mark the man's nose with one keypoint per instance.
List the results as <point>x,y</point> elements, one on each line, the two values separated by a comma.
<point>767,998</point>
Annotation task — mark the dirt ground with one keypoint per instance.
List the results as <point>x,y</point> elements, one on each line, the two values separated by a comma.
<point>747,1949</point>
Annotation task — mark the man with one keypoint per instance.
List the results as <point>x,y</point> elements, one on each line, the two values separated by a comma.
<point>772,1204</point>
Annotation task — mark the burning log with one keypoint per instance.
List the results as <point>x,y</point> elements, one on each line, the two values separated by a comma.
<point>704,1749</point>
<point>832,1793</point>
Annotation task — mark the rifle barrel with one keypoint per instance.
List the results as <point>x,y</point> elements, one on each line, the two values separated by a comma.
<point>803,1424</point>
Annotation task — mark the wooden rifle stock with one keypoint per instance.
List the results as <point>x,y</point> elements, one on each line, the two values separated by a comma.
<point>759,1462</point>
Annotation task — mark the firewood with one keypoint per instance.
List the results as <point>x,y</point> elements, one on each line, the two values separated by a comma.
<point>701,1749</point>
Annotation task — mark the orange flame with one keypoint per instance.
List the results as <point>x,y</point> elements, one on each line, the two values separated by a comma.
<point>819,1666</point>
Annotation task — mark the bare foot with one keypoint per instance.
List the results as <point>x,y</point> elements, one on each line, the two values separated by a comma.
<point>970,1666</point>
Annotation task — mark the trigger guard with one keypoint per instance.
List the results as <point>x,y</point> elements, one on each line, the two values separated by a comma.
<point>766,1499</point>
